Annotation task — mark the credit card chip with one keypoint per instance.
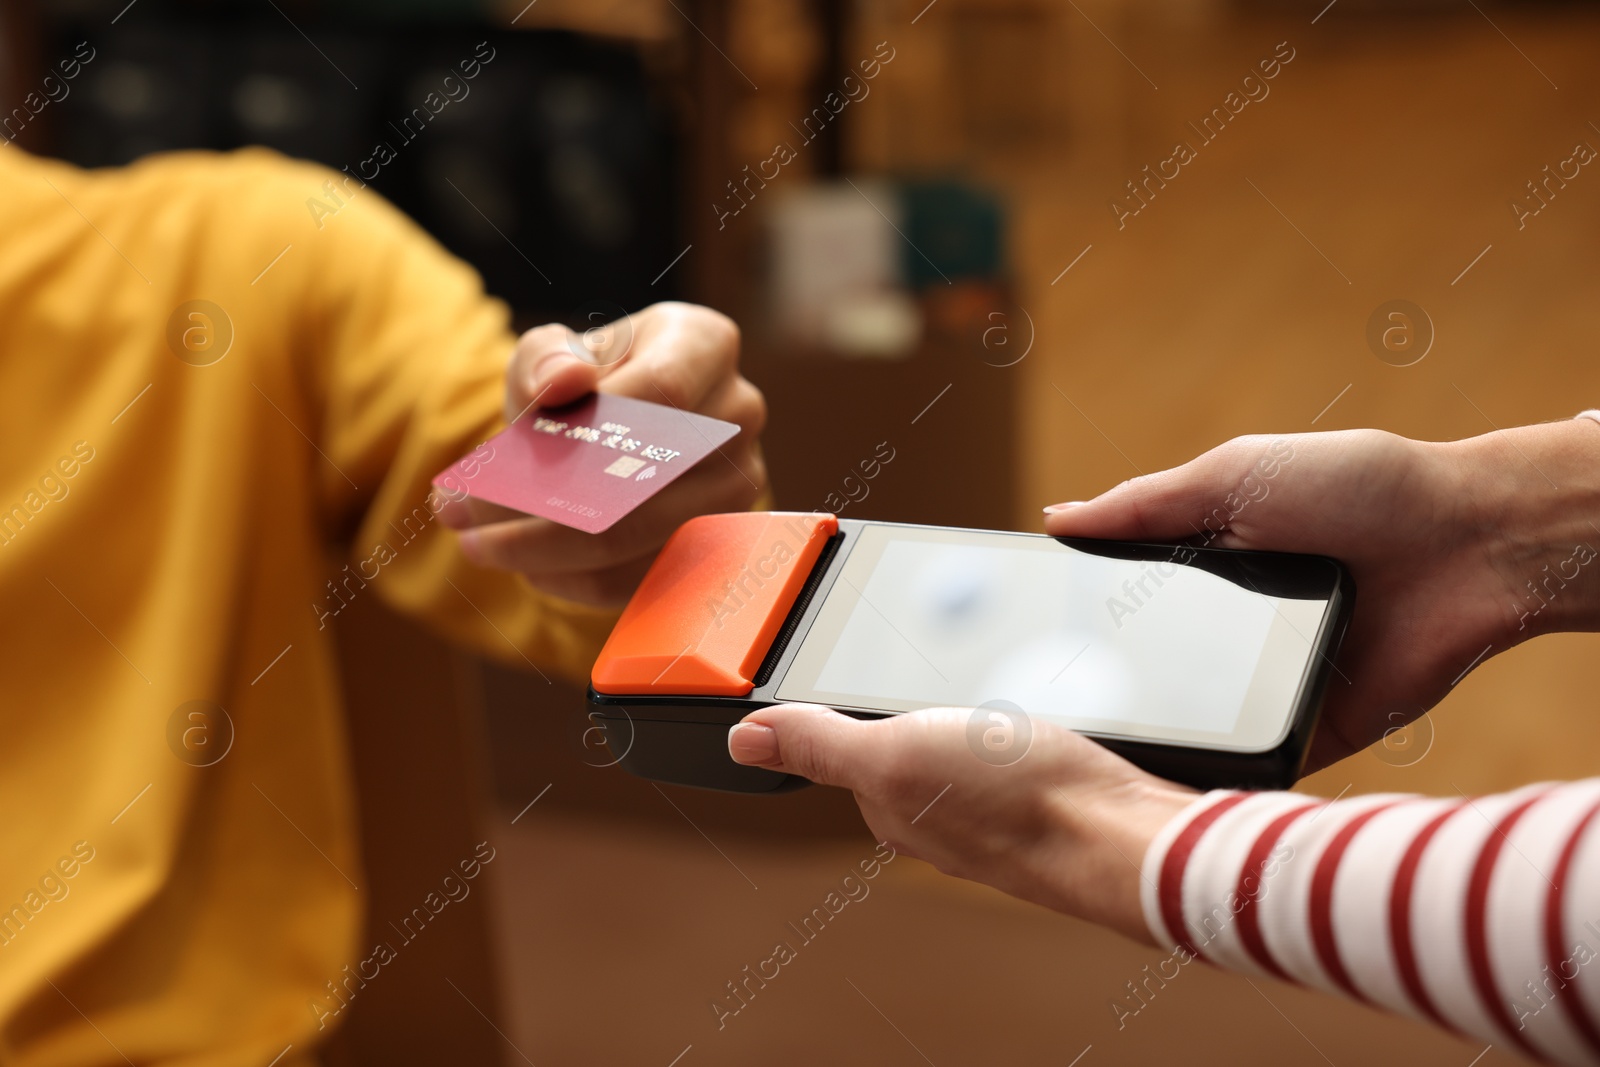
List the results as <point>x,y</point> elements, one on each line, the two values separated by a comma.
<point>624,466</point>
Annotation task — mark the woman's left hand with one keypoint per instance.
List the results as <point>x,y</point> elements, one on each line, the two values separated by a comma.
<point>1024,805</point>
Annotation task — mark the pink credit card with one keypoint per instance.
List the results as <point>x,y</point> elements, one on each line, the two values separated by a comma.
<point>587,464</point>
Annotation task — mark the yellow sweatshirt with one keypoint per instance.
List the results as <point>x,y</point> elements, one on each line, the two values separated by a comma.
<point>224,378</point>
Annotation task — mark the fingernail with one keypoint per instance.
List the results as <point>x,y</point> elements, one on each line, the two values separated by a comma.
<point>750,742</point>
<point>1052,508</point>
<point>548,367</point>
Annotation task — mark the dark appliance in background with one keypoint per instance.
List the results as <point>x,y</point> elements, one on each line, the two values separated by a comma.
<point>553,171</point>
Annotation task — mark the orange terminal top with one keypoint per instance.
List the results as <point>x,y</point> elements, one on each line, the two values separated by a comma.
<point>705,615</point>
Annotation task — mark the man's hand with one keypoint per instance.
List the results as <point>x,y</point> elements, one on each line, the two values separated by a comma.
<point>1440,539</point>
<point>675,354</point>
<point>1065,825</point>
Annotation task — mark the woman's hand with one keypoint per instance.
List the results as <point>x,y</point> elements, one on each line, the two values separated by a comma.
<point>1061,821</point>
<point>676,354</point>
<point>1441,539</point>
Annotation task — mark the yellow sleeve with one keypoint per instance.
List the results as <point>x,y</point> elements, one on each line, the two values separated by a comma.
<point>407,358</point>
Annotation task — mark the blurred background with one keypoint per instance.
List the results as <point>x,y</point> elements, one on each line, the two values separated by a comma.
<point>960,228</point>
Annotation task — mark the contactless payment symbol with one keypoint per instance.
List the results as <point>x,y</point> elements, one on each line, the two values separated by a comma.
<point>646,474</point>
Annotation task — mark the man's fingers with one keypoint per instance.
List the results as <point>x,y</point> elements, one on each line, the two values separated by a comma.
<point>809,740</point>
<point>551,366</point>
<point>537,546</point>
<point>551,379</point>
<point>1166,506</point>
<point>608,587</point>
<point>681,354</point>
<point>741,403</point>
<point>563,378</point>
<point>675,354</point>
<point>466,512</point>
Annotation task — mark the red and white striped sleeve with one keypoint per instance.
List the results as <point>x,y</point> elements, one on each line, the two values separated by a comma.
<point>1480,915</point>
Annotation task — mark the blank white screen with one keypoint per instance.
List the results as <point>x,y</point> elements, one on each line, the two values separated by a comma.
<point>1057,632</point>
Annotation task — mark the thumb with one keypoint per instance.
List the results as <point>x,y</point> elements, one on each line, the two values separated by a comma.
<point>558,378</point>
<point>1166,506</point>
<point>805,739</point>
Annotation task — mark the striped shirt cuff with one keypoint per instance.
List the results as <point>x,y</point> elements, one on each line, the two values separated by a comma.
<point>1480,915</point>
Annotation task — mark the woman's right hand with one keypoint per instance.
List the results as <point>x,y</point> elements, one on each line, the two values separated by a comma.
<point>1441,539</point>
